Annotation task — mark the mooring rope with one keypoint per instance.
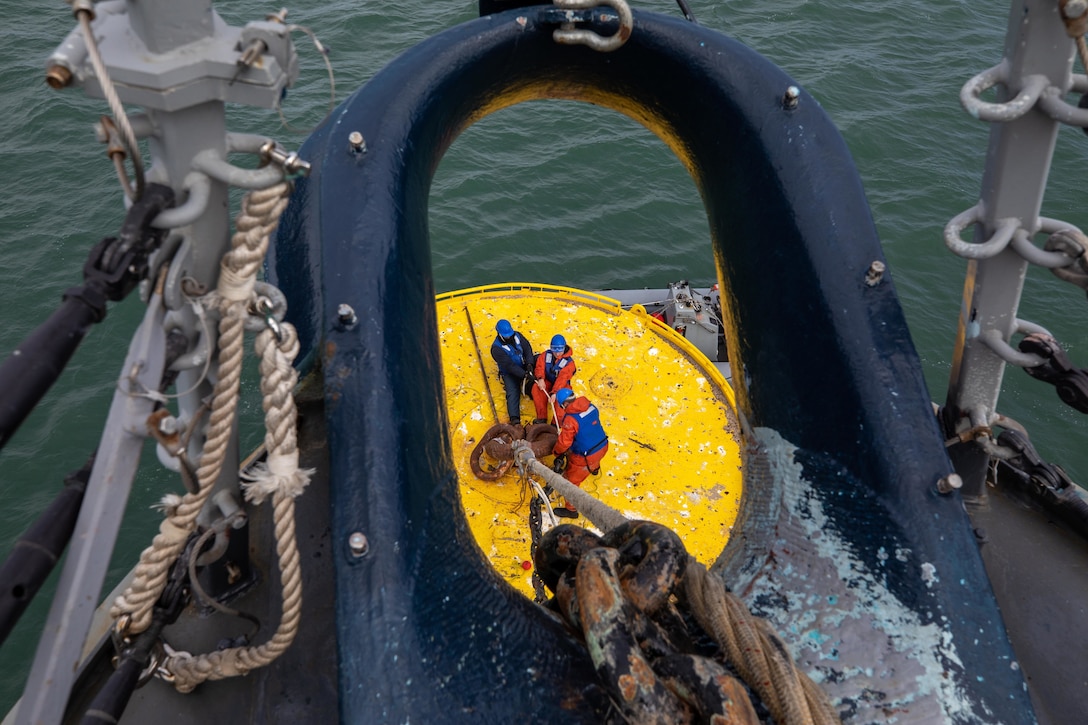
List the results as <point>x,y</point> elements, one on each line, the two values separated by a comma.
<point>281,478</point>
<point>260,213</point>
<point>755,650</point>
<point>748,642</point>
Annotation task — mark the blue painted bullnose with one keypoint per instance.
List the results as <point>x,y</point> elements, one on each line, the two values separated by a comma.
<point>426,629</point>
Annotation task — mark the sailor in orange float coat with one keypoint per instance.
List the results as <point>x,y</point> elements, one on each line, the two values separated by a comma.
<point>581,437</point>
<point>554,369</point>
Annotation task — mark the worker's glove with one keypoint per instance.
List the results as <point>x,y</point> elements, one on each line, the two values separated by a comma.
<point>560,463</point>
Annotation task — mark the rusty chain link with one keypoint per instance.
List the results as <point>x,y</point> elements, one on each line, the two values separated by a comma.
<point>617,590</point>
<point>1043,481</point>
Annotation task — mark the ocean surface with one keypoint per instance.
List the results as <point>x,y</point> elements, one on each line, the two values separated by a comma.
<point>547,191</point>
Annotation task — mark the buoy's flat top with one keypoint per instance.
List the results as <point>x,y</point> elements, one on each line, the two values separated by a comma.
<point>674,451</point>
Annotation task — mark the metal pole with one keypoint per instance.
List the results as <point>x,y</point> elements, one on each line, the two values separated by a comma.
<point>57,658</point>
<point>483,370</point>
<point>1017,164</point>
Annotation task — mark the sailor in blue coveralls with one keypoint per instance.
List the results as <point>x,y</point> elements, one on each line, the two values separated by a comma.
<point>514,355</point>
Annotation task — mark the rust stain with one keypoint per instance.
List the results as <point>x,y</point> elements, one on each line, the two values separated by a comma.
<point>736,706</point>
<point>596,596</point>
<point>628,687</point>
<point>640,669</point>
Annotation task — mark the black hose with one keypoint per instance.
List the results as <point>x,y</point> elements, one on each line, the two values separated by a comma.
<point>136,656</point>
<point>37,363</point>
<point>38,550</point>
<point>113,268</point>
<point>111,700</point>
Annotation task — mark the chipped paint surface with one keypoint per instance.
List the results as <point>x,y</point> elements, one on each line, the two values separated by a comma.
<point>872,654</point>
<point>674,454</point>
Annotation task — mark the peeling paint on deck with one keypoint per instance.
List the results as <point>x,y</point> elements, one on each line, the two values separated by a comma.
<point>876,657</point>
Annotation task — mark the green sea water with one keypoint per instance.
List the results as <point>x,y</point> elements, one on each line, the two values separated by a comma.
<point>552,192</point>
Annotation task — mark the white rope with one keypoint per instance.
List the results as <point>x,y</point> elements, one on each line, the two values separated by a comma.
<point>280,478</point>
<point>260,213</point>
<point>603,516</point>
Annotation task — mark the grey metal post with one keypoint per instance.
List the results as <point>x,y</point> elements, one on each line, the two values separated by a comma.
<point>1013,183</point>
<point>164,25</point>
<point>61,644</point>
<point>183,89</point>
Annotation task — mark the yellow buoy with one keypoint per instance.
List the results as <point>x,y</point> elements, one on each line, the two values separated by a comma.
<point>674,444</point>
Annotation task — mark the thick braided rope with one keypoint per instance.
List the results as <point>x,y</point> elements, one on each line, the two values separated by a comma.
<point>751,646</point>
<point>756,651</point>
<point>278,380</point>
<point>238,272</point>
<point>281,478</point>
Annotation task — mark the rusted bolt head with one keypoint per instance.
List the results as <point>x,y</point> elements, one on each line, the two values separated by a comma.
<point>57,76</point>
<point>83,6</point>
<point>346,315</point>
<point>875,273</point>
<point>169,425</point>
<point>358,544</point>
<point>949,483</point>
<point>791,97</point>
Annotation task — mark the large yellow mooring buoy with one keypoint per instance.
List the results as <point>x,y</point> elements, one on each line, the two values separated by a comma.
<point>674,441</point>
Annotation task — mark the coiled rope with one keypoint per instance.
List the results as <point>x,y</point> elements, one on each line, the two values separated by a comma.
<point>754,650</point>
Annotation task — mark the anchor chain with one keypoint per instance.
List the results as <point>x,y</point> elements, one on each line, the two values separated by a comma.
<point>1046,482</point>
<point>536,535</point>
<point>1070,382</point>
<point>617,591</point>
<point>1073,244</point>
<point>1048,479</point>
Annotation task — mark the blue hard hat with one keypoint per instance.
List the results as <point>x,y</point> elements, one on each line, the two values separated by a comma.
<point>564,395</point>
<point>559,344</point>
<point>504,328</point>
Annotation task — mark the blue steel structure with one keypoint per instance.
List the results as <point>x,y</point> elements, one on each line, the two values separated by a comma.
<point>426,629</point>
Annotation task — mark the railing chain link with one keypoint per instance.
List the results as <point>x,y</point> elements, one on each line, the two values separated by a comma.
<point>1070,382</point>
<point>568,35</point>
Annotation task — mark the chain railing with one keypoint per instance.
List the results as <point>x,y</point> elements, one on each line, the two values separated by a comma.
<point>1032,105</point>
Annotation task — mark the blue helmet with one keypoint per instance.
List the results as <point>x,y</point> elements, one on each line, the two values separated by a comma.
<point>504,328</point>
<point>559,344</point>
<point>564,395</point>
